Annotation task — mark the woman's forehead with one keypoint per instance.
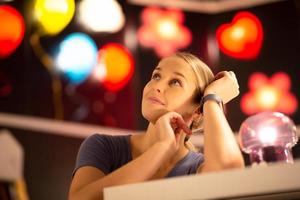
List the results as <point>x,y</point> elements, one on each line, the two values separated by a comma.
<point>174,63</point>
<point>177,65</point>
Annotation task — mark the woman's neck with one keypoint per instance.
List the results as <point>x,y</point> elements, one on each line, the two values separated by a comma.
<point>142,143</point>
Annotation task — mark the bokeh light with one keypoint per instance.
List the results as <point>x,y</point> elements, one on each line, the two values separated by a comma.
<point>77,57</point>
<point>101,16</point>
<point>241,39</point>
<point>115,66</point>
<point>53,15</point>
<point>163,30</point>
<point>269,94</point>
<point>12,30</point>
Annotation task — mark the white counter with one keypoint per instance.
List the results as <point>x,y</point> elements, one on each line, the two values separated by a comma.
<point>276,181</point>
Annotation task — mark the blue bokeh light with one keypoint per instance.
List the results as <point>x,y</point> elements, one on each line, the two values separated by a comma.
<point>77,57</point>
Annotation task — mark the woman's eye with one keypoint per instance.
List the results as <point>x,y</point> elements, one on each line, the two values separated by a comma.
<point>155,76</point>
<point>175,82</point>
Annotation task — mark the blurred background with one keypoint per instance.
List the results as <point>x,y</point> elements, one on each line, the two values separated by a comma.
<point>70,68</point>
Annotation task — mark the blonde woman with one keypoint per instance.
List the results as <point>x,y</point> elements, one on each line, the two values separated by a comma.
<point>171,104</point>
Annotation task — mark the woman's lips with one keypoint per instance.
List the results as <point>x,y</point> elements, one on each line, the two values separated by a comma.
<point>156,100</point>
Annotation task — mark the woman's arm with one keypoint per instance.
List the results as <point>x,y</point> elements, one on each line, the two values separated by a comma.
<point>221,150</point>
<point>88,182</point>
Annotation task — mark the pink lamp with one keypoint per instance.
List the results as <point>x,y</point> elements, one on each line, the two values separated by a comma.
<point>268,137</point>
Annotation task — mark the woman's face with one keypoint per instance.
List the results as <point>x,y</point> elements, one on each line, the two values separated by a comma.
<point>171,88</point>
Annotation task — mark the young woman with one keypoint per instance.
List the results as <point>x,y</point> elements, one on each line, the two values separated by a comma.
<point>171,104</point>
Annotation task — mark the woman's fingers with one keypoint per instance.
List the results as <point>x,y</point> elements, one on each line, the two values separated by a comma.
<point>224,73</point>
<point>173,123</point>
<point>179,124</point>
<point>232,73</point>
<point>220,75</point>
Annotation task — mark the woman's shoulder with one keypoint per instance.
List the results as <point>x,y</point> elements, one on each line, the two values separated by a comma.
<point>105,142</point>
<point>99,138</point>
<point>106,152</point>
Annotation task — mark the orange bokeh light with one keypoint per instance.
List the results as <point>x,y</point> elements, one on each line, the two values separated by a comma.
<point>163,31</point>
<point>11,31</point>
<point>242,38</point>
<point>115,66</point>
<point>269,94</point>
<point>267,97</point>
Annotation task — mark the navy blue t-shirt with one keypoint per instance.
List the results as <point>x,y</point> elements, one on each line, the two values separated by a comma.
<point>108,153</point>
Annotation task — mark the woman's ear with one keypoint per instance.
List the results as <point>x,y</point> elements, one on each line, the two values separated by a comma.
<point>197,113</point>
<point>196,119</point>
<point>198,97</point>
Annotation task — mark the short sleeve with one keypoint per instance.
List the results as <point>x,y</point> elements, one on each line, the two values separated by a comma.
<point>94,151</point>
<point>198,159</point>
<point>188,165</point>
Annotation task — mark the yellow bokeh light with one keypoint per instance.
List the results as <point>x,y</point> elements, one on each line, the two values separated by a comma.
<point>268,97</point>
<point>54,15</point>
<point>167,28</point>
<point>238,33</point>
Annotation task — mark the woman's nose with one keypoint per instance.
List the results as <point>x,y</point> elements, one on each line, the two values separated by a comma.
<point>158,87</point>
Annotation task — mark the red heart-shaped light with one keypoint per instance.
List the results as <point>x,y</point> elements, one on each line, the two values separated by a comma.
<point>11,31</point>
<point>241,39</point>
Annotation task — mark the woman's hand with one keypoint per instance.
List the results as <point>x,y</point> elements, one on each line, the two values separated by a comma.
<point>225,85</point>
<point>170,127</point>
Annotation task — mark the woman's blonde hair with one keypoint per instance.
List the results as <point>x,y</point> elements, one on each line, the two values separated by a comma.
<point>204,76</point>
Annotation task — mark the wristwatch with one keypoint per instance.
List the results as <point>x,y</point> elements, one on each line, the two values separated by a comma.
<point>213,97</point>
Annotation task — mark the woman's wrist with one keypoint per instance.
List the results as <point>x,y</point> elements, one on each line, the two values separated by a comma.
<point>211,97</point>
<point>208,91</point>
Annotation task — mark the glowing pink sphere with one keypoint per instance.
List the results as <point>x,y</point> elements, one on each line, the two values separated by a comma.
<point>268,137</point>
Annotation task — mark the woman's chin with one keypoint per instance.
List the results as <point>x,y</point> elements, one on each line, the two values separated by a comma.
<point>153,116</point>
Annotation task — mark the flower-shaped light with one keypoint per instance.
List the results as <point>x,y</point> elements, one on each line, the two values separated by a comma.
<point>163,30</point>
<point>269,94</point>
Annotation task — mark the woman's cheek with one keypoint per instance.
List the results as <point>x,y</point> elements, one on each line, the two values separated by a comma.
<point>146,88</point>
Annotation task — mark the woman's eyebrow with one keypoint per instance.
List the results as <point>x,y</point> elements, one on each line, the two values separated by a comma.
<point>180,74</point>
<point>177,73</point>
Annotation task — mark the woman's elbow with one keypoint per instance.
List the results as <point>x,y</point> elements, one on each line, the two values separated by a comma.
<point>74,196</point>
<point>230,163</point>
<point>215,166</point>
<point>80,196</point>
<point>236,163</point>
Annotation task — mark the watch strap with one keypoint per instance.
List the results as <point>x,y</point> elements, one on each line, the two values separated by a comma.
<point>212,97</point>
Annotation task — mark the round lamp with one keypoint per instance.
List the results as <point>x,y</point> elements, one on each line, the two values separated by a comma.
<point>268,137</point>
